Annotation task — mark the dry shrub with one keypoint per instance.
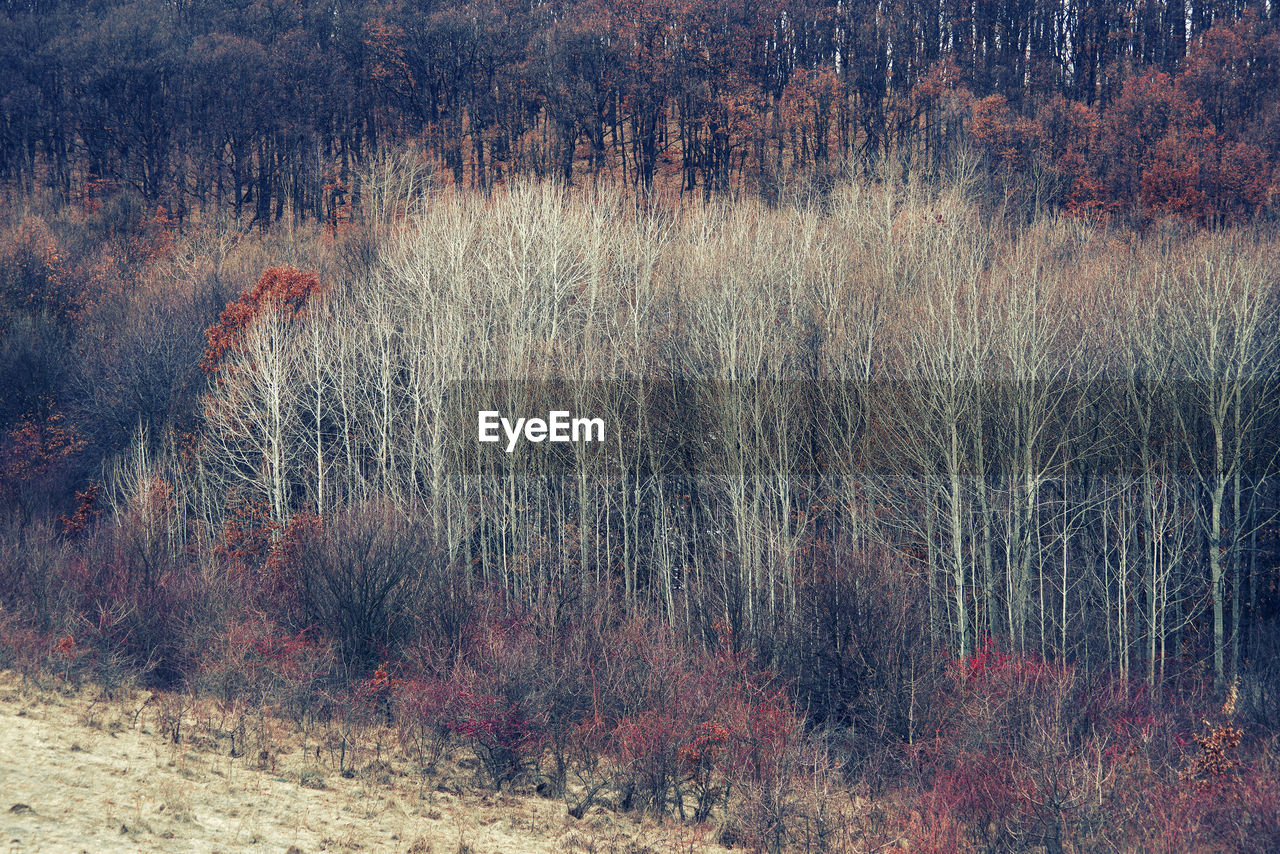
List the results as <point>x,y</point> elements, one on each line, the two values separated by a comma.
<point>356,579</point>
<point>1011,762</point>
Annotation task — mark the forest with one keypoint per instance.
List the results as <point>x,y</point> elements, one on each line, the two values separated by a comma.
<point>269,108</point>
<point>937,347</point>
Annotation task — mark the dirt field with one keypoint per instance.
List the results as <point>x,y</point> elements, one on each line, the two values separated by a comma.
<point>80,773</point>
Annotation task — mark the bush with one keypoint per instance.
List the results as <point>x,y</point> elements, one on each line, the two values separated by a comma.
<point>253,661</point>
<point>357,578</point>
<point>499,705</point>
<point>421,712</point>
<point>138,600</point>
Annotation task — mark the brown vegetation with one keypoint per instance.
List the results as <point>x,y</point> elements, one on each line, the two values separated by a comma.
<point>271,109</point>
<point>914,521</point>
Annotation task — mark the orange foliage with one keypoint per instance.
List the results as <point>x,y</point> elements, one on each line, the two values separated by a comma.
<point>1153,152</point>
<point>1008,138</point>
<point>1239,179</point>
<point>280,289</point>
<point>1170,178</point>
<point>247,537</point>
<point>1169,146</point>
<point>35,447</point>
<point>941,84</point>
<point>1067,126</point>
<point>387,65</point>
<point>155,238</point>
<point>806,110</point>
<point>86,511</point>
<point>302,529</point>
<point>1216,763</point>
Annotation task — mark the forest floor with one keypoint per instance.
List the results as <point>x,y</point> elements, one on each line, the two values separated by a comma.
<point>81,772</point>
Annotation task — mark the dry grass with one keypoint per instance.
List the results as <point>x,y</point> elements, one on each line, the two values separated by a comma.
<point>83,773</point>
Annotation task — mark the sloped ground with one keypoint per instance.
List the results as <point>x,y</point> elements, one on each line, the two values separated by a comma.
<point>80,773</point>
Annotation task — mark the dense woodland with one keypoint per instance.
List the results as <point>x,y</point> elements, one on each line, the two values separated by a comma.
<point>268,108</point>
<point>937,346</point>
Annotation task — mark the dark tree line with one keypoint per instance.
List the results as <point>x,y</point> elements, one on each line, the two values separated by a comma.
<point>266,108</point>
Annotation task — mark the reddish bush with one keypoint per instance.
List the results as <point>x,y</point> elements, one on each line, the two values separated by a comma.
<point>255,662</point>
<point>497,705</point>
<point>137,601</point>
<point>421,710</point>
<point>1008,763</point>
<point>247,536</point>
<point>689,731</point>
<point>505,740</point>
<point>647,746</point>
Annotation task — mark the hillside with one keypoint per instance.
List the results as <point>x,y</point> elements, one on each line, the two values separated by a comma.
<point>84,773</point>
